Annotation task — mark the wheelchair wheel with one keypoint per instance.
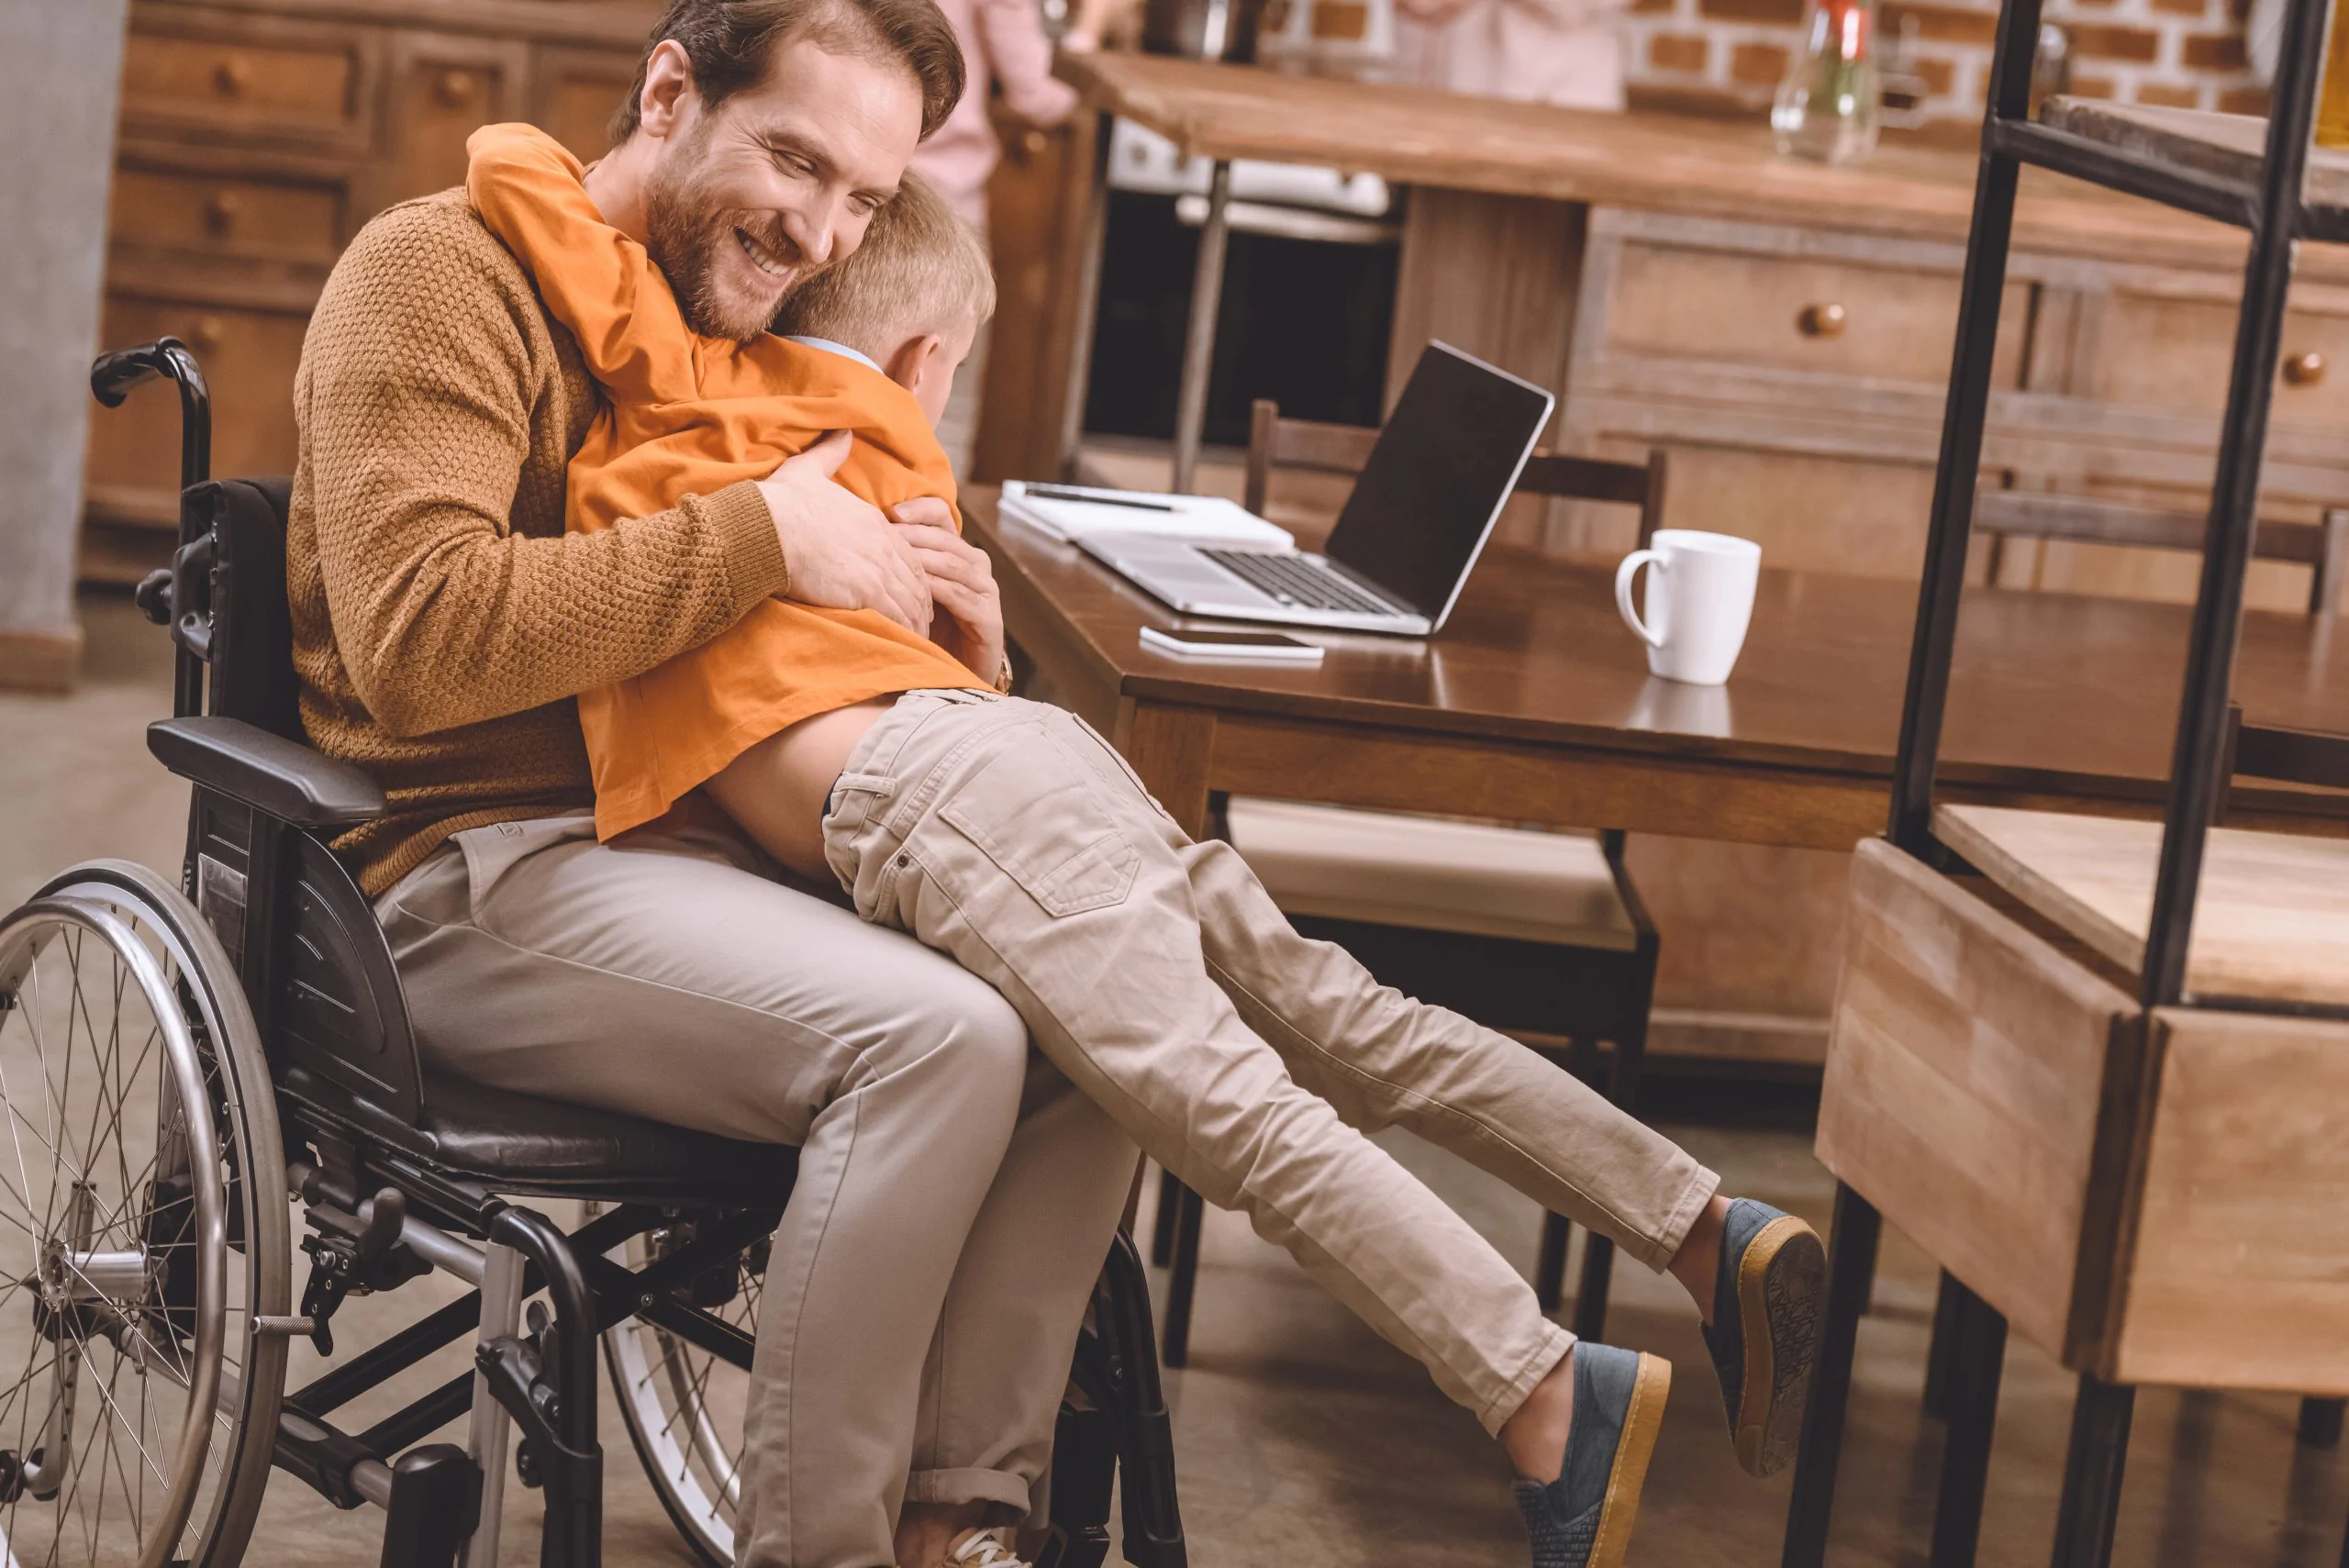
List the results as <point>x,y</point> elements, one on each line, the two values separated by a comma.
<point>682,1407</point>
<point>142,1227</point>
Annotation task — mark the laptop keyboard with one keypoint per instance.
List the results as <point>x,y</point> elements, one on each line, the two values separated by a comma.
<point>1293,580</point>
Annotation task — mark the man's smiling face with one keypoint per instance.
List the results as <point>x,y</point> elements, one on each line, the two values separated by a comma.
<point>746,200</point>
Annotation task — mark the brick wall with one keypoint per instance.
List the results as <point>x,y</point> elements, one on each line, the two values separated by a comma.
<point>1727,56</point>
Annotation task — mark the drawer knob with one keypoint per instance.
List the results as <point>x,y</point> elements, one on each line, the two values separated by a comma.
<point>207,332</point>
<point>1822,320</point>
<point>2304,369</point>
<point>454,88</point>
<point>221,213</point>
<point>231,77</point>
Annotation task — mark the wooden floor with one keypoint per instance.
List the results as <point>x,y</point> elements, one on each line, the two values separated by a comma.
<point>1302,1441</point>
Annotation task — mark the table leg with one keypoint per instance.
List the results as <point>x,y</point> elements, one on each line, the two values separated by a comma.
<point>1198,339</point>
<point>2320,1421</point>
<point>2089,1508</point>
<point>1161,1229</point>
<point>1851,1262</point>
<point>1977,1357</point>
<point>1941,1347</point>
<point>1079,375</point>
<point>1182,1285</point>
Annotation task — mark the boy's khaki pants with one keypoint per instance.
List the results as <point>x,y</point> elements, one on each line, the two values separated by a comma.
<point>1160,977</point>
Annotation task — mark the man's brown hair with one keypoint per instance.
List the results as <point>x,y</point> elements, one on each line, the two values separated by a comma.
<point>921,268</point>
<point>731,42</point>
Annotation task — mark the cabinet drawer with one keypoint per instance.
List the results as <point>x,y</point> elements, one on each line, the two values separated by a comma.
<point>576,92</point>
<point>2175,350</point>
<point>227,216</point>
<point>1828,316</point>
<point>263,86</point>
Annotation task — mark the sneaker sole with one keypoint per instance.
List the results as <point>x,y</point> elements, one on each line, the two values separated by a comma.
<point>1781,1291</point>
<point>1643,1419</point>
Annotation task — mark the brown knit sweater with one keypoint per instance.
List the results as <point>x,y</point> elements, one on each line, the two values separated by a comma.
<point>443,620</point>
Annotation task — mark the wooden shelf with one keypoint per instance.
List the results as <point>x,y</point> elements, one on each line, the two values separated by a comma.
<point>2221,154</point>
<point>2272,921</point>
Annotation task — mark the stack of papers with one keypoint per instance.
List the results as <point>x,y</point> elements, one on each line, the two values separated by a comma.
<point>1067,512</point>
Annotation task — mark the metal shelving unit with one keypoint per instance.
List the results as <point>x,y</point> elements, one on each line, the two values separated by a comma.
<point>2256,177</point>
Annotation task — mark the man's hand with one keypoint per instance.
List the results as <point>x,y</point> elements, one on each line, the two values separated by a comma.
<point>842,552</point>
<point>961,583</point>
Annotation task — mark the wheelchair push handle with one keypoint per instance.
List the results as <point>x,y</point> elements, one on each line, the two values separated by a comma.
<point>115,375</point>
<point>163,596</point>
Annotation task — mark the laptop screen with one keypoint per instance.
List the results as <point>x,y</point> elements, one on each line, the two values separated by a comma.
<point>1434,484</point>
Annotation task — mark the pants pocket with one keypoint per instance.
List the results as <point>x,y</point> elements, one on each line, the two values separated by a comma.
<point>1034,810</point>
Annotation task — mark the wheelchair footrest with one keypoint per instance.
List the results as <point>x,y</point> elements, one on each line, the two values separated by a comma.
<point>436,1502</point>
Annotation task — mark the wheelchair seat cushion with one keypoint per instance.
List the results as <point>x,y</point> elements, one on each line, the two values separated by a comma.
<point>520,1145</point>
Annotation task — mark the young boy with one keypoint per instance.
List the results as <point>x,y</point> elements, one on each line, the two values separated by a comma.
<point>1159,976</point>
<point>876,360</point>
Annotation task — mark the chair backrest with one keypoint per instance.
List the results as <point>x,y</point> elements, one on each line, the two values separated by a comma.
<point>2322,545</point>
<point>252,630</point>
<point>315,966</point>
<point>1310,446</point>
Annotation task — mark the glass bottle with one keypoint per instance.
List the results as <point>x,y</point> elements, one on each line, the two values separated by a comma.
<point>2333,93</point>
<point>1826,106</point>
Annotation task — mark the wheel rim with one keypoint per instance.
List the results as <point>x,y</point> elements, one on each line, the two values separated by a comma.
<point>683,1407</point>
<point>116,1306</point>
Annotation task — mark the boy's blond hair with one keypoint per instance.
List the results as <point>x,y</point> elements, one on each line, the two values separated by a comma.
<point>920,269</point>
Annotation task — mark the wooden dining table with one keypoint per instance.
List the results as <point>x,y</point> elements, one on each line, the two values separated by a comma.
<point>1534,704</point>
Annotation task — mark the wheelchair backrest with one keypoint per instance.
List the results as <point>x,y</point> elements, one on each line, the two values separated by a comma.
<point>250,641</point>
<point>315,964</point>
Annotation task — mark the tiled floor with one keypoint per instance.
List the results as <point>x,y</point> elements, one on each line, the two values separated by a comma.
<point>1302,1440</point>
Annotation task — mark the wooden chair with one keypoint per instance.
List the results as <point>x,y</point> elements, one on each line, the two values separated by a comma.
<point>2001,514</point>
<point>1309,447</point>
<point>1532,933</point>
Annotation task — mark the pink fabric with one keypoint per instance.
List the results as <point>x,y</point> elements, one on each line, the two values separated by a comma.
<point>1003,42</point>
<point>1568,53</point>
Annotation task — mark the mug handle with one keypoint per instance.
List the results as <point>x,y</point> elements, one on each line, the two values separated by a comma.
<point>1623,575</point>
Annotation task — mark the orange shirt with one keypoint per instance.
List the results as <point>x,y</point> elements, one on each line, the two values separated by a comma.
<point>689,415</point>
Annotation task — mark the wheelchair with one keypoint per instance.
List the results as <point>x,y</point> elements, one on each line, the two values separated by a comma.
<point>182,1063</point>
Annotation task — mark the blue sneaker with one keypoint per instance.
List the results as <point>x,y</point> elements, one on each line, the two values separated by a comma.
<point>1583,1519</point>
<point>1764,1335</point>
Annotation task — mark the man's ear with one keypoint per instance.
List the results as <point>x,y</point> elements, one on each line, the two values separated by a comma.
<point>915,360</point>
<point>668,83</point>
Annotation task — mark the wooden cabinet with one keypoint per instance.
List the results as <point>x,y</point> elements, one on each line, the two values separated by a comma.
<point>257,137</point>
<point>1798,376</point>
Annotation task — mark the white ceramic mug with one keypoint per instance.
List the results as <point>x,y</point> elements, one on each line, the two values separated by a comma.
<point>1699,600</point>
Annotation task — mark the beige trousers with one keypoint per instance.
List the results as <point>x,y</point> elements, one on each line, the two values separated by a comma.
<point>955,1198</point>
<point>1160,977</point>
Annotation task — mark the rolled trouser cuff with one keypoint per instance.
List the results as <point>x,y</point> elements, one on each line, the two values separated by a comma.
<point>1495,1414</point>
<point>968,1487</point>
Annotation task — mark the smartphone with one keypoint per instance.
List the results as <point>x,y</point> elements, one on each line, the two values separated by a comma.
<point>1222,643</point>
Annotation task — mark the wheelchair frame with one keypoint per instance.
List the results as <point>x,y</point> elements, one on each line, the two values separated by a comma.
<point>385,1202</point>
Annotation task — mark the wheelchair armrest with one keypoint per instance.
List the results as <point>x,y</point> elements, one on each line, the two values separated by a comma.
<point>282,778</point>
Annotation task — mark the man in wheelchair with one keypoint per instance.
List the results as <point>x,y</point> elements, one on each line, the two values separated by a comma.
<point>954,1197</point>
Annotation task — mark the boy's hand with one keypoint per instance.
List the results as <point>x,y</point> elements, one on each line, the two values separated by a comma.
<point>961,583</point>
<point>842,552</point>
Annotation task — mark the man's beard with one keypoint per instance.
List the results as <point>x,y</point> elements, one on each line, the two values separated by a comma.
<point>688,238</point>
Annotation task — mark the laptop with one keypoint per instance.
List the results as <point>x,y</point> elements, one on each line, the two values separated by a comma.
<point>1410,531</point>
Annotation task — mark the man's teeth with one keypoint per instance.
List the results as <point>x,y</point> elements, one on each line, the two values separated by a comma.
<point>761,257</point>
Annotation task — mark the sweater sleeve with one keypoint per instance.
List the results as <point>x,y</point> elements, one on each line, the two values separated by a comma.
<point>415,397</point>
<point>595,280</point>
